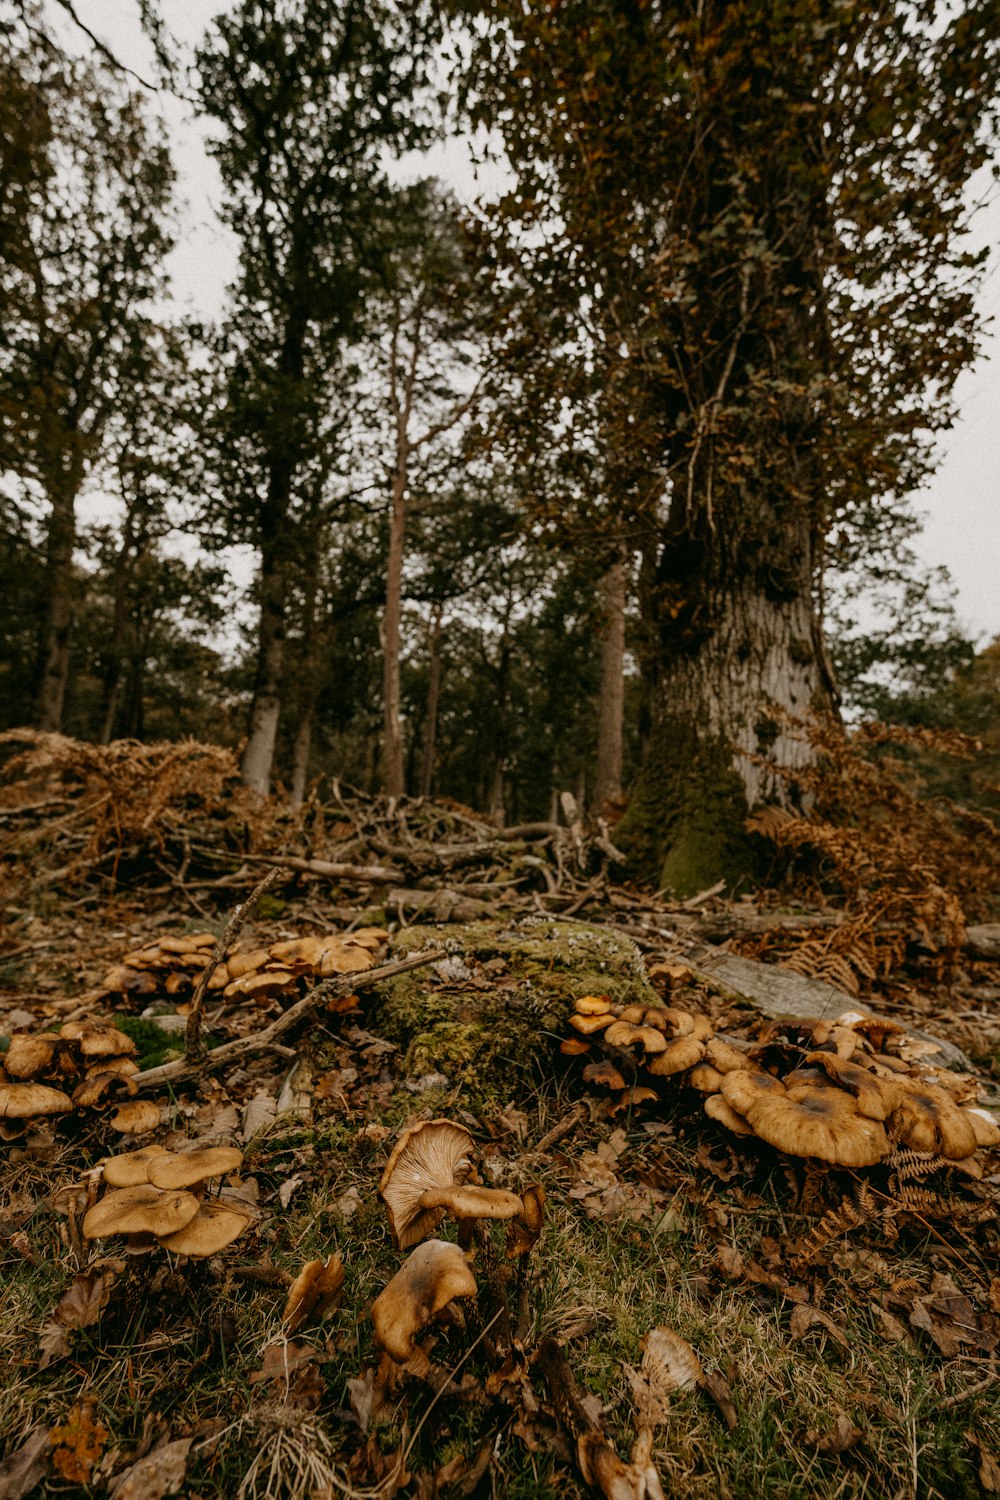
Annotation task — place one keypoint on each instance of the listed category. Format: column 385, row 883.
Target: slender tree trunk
column 300, row 755
column 737, row 660
column 392, row 749
column 433, row 698
column 258, row 756
column 611, row 699
column 59, row 606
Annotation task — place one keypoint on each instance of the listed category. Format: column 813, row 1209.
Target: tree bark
column 433, row 699
column 737, row 662
column 258, row 756
column 611, row 698
column 59, row 606
column 300, row 756
column 392, row 749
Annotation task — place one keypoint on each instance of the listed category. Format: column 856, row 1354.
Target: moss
column 684, row 830
column 488, row 1020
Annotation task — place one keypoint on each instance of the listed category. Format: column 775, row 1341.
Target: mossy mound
column 491, row 1015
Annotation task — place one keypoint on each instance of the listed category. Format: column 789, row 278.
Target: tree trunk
column 300, row 756
column 611, row 700
column 258, row 756
column 392, row 749
column 59, row 607
column 737, row 660
column 433, row 698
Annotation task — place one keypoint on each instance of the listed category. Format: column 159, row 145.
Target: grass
column 178, row 1346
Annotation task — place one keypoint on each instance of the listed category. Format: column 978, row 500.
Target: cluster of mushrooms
column 430, row 1176
column 838, row 1091
column 171, row 967
column 158, row 1197
column 85, row 1065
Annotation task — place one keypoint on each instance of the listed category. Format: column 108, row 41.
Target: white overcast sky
column 962, row 502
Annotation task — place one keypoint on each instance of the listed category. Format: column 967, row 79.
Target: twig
column 328, row 989
column 193, row 1045
column 375, row 874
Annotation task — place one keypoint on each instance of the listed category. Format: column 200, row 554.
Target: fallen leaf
column 805, row 1316
column 841, row 1436
column 947, row 1316
column 715, row 1386
column 53, row 1345
column 668, row 1364
column 989, row 1469
column 258, row 1115
column 82, row 1305
column 159, row 1473
column 348, row 1203
column 730, row 1262
column 288, row 1188
column 78, row 1443
column 23, row 1469
column 315, row 1291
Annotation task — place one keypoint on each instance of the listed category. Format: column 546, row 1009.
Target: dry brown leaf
column 315, row 1291
column 841, row 1436
column 989, row 1469
column 668, row 1364
column 78, row 1443
column 25, row 1468
column 804, row 1316
column 713, row 1384
column 53, row 1345
column 82, row 1305
column 730, row 1262
column 159, row 1473
column 947, row 1316
column 280, row 1361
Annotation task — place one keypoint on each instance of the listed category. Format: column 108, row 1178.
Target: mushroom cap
column 573, row 1046
column 683, row 1052
column 132, row 1167
column 24, row 1101
column 188, row 943
column 307, row 951
column 97, row 1083
column 725, row 1057
column 239, row 964
column 212, row 1228
column 928, row 1119
column 185, row 1168
column 345, row 958
column 877, row 1097
column 139, row 1210
column 104, row 1041
column 744, row 1086
column 125, row 1067
column 434, row 1274
column 471, row 1201
column 593, row 1005
column 431, row 1154
column 633, row 1013
column 30, row 1053
column 716, row 1108
column 603, row 1072
column 705, row 1078
column 818, row 1122
column 622, row 1034
column 137, row 1117
column 984, row 1124
column 261, row 984
column 587, row 1025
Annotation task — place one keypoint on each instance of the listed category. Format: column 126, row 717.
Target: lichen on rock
column 489, row 1017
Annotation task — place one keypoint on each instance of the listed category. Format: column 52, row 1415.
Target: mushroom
column 573, row 1046
column 139, row 1210
column 345, row 960
column 813, row 1121
column 95, row 1040
column 435, row 1274
column 603, row 1072
column 984, row 1124
column 137, row 1117
column 705, row 1078
column 193, row 1168
column 587, row 1025
column 928, row 1119
column 96, row 1084
column 877, row 1097
column 31, row 1053
column 315, row 1291
column 593, row 1005
column 432, row 1154
column 132, row 1167
column 724, row 1056
column 239, row 964
column 680, row 1054
column 717, row 1108
column 211, row 1229
column 26, row 1101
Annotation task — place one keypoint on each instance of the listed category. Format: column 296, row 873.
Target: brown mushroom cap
column 23, row 1101
column 725, row 1057
column 622, row 1034
column 30, row 1053
column 470, row 1201
column 137, row 1117
column 603, row 1072
column 744, row 1086
column 573, row 1046
column 683, row 1052
column 131, row 1168
column 984, row 1124
column 139, row 1210
column 104, row 1041
column 432, row 1154
column 345, row 958
column 186, row 1168
column 928, row 1119
column 435, row 1274
column 239, row 964
column 633, row 1013
column 98, row 1083
column 212, row 1228
column 589, row 1024
column 877, row 1097
column 705, row 1078
column 593, row 1005
column 818, row 1122
column 717, row 1109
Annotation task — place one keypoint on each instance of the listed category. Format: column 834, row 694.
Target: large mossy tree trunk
column 738, row 661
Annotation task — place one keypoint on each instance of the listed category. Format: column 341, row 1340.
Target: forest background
column 482, row 455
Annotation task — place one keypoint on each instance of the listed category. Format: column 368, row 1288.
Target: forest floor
column 871, row 1370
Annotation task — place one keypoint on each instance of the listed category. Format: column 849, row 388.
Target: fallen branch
column 328, row 989
column 365, row 874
